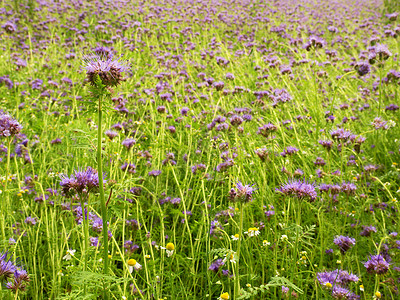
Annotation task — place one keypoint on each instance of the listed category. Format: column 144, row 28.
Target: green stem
column 85, row 224
column 101, row 189
column 237, row 276
column 8, row 174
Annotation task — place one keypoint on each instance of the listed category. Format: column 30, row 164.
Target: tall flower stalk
column 103, row 72
column 82, row 183
column 242, row 194
column 9, row 127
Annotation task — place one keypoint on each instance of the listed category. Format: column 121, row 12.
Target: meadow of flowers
column 199, row 149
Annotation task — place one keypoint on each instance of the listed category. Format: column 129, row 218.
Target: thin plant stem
column 101, row 190
column 237, row 276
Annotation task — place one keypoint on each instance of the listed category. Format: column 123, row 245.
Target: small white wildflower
column 69, row 254
column 253, row 231
column 133, row 264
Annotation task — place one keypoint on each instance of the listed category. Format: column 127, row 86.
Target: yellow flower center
column 378, row 294
column 328, row 285
column 225, row 296
column 132, row 262
column 170, row 246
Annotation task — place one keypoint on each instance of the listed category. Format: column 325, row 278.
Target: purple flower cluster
column 10, row 271
column 108, row 69
column 266, row 129
column 344, row 243
column 81, row 182
column 338, row 281
column 377, row 265
column 299, row 189
column 8, row 125
column 242, row 193
column 367, row 230
column 289, row 151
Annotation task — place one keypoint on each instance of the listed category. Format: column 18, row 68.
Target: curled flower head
column 21, row 278
column 8, row 125
column 377, row 265
column 299, row 189
column 7, row 268
column 336, row 277
column 81, row 182
column 242, row 193
column 344, row 243
column 107, row 68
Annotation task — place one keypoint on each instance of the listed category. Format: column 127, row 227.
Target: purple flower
column 80, row 182
column 299, row 189
column 7, row 81
column 9, row 27
column 344, row 243
column 130, row 167
column 30, row 221
column 348, row 188
column 392, row 16
column 155, row 173
column 289, row 151
column 222, row 167
column 184, row 111
column 262, row 153
column 128, row 143
column 242, row 193
column 8, row 125
column 229, row 76
column 109, row 70
column 326, row 144
column 339, row 292
column 362, row 68
column 392, row 107
column 378, row 123
column 341, row 134
column 219, row 85
column 216, row 265
column 172, row 129
column 236, row 120
column 7, row 268
column 266, row 129
column 56, row 141
column 367, row 230
column 334, row 277
column 94, row 241
column 285, row 290
column 314, row 42
column 377, row 265
column 198, row 167
column 111, row 134
column 21, row 278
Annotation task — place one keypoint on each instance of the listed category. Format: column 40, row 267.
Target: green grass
column 290, row 249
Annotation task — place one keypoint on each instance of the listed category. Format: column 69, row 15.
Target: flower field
column 199, row 149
